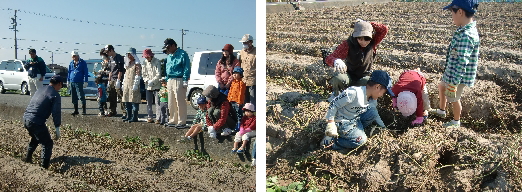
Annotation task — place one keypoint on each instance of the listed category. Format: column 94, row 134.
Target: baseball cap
column 382, row 77
column 407, row 103
column 246, row 37
column 168, row 41
column 250, row 107
column 202, row 100
column 57, row 79
column 468, row 5
column 362, row 29
column 74, row 53
column 108, row 47
column 32, row 51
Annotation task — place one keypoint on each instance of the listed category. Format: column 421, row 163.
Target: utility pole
column 52, row 57
column 14, row 28
column 183, row 34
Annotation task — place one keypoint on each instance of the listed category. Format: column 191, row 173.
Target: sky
column 210, row 25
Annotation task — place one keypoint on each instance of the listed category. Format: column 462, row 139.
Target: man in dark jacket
column 45, row 102
column 78, row 77
column 115, row 78
column 36, row 69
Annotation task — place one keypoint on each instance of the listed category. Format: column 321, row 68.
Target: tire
column 194, row 95
column 2, row 90
column 24, row 89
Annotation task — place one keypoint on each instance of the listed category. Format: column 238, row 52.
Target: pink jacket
column 224, row 74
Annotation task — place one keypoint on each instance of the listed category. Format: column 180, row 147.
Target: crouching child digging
column 353, row 110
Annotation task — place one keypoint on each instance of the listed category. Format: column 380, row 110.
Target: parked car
column 13, row 76
column 202, row 74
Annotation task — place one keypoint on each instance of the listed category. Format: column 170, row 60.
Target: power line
column 117, row 25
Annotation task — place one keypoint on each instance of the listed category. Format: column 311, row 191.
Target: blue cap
column 202, row 100
column 468, row 5
column 238, row 70
column 384, row 79
column 57, row 79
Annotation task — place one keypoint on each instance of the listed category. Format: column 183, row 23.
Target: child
column 247, row 129
column 354, row 109
column 412, row 95
column 102, row 95
column 236, row 95
column 199, row 121
column 461, row 59
column 164, row 99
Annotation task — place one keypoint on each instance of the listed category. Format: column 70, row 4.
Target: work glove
column 340, row 66
column 118, row 84
column 85, row 84
column 57, row 132
column 151, row 83
column 212, row 133
column 185, row 84
column 417, row 121
column 136, row 85
column 331, row 130
column 451, row 91
column 394, row 102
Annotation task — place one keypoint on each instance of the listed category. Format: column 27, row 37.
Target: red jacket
column 225, row 108
column 342, row 50
column 414, row 82
column 248, row 123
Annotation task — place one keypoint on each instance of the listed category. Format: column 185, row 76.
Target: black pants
column 39, row 135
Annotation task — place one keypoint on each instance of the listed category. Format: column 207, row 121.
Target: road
column 14, row 99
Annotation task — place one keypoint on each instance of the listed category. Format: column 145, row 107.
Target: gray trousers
column 152, row 95
column 163, row 116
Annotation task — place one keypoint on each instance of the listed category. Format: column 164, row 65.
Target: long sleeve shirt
column 248, row 123
column 178, row 65
column 37, row 69
column 237, row 92
column 225, row 109
column 46, row 101
column 224, row 73
column 78, row 73
column 342, row 50
column 349, row 105
column 414, row 82
column 462, row 57
column 117, row 65
column 151, row 72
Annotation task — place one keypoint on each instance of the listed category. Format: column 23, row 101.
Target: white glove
column 136, row 85
column 118, row 84
column 212, row 132
column 85, row 84
column 151, row 83
column 340, row 66
column 57, row 132
column 185, row 84
column 331, row 130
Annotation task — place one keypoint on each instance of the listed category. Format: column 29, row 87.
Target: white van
column 13, row 76
column 202, row 74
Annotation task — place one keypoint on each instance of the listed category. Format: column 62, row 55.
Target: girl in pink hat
column 247, row 128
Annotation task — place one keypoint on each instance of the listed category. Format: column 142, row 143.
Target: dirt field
column 484, row 154
column 102, row 159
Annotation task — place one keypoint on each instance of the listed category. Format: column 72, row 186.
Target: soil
column 88, row 159
column 484, row 154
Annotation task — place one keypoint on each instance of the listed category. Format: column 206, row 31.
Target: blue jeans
column 77, row 93
column 351, row 133
column 250, row 95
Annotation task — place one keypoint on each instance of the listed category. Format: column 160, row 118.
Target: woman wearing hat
column 131, row 86
column 151, row 76
column 220, row 117
column 354, row 57
column 224, row 68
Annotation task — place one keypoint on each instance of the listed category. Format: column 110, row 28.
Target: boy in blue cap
column 353, row 110
column 200, row 121
column 461, row 60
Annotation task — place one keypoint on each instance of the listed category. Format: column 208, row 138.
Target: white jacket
column 349, row 104
column 151, row 71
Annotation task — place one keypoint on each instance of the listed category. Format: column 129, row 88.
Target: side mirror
column 21, row 69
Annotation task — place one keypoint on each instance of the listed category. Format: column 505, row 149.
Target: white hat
column 246, row 37
column 407, row 103
column 73, row 53
column 250, row 107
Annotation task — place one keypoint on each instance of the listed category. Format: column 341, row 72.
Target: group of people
column 356, row 88
column 220, row 110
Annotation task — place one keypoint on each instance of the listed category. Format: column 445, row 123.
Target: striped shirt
column 462, row 57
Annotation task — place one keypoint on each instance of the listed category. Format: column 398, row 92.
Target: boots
column 29, row 157
column 75, row 110
column 84, row 108
column 128, row 109
column 136, row 108
column 45, row 163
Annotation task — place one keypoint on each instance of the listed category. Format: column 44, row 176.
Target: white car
column 13, row 76
column 202, row 74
